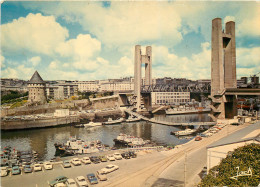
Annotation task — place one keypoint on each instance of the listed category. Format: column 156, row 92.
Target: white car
column 75, row 162
column 47, row 165
column 4, row 171
column 111, row 158
column 71, row 183
column 37, row 167
column 118, row 156
column 109, row 168
column 81, row 181
column 85, row 160
column 61, row 184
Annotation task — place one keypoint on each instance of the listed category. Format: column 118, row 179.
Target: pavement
column 150, row 168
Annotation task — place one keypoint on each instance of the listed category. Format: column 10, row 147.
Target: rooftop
column 36, row 78
column 251, row 132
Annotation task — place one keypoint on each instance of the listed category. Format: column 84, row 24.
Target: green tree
column 244, row 157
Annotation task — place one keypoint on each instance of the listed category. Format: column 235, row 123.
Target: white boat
column 93, row 124
column 110, row 121
column 132, row 119
column 186, row 110
column 184, row 132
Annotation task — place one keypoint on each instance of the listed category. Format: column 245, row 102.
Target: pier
column 166, row 122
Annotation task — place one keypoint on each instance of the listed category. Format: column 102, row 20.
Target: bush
column 244, row 157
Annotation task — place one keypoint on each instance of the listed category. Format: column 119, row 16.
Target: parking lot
column 42, row 178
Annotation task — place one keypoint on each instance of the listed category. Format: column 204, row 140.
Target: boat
column 79, row 126
column 186, row 110
column 132, row 119
column 128, row 140
column 184, row 132
column 110, row 121
column 93, row 124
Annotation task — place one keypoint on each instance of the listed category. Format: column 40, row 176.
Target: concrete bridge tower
column 147, row 60
column 223, row 69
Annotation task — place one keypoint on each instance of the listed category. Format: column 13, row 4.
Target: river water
column 42, row 140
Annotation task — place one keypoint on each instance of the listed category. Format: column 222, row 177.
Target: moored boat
column 93, row 124
column 111, row 121
column 184, row 132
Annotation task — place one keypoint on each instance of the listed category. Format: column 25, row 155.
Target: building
column 170, row 98
column 62, row 91
column 87, row 86
column 117, row 86
column 219, row 150
column 37, row 89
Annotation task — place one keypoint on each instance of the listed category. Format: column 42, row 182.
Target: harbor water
column 42, row 140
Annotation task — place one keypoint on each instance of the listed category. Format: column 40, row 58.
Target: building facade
column 170, row 98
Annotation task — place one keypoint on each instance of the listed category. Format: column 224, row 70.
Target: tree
column 246, row 157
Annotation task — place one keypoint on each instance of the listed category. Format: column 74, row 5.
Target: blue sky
column 88, row 40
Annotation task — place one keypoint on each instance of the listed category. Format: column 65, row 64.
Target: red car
column 198, row 138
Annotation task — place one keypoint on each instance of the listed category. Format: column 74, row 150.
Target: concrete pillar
column 217, row 68
column 148, row 66
column 230, row 59
column 138, row 76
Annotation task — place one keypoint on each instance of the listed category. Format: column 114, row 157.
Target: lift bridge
column 173, row 88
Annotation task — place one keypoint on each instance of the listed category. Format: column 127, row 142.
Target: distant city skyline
column 89, row 40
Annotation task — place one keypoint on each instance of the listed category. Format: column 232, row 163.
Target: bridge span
column 165, row 122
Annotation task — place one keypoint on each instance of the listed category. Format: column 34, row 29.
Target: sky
column 94, row 40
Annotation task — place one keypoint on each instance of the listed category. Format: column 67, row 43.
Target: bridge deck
column 167, row 123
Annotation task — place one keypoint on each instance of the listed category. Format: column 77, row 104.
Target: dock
column 165, row 122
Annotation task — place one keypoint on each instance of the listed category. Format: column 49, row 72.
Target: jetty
column 129, row 111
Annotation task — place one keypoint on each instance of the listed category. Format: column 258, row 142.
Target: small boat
column 110, row 121
column 184, row 132
column 132, row 119
column 79, row 126
column 93, row 124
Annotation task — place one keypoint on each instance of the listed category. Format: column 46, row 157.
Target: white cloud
column 35, row 60
column 2, row 61
column 35, row 33
column 250, row 25
column 54, row 65
column 18, row 72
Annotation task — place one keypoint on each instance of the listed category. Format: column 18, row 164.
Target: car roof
column 81, row 177
column 110, row 165
column 61, row 177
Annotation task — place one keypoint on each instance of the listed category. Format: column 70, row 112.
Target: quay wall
column 38, row 123
column 55, row 121
column 98, row 103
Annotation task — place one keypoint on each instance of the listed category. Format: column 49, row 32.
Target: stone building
column 37, row 89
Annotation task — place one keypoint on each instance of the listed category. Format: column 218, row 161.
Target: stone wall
column 38, row 123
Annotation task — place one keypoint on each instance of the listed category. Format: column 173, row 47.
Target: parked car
column 16, row 170
column 94, row 159
column 101, row 177
column 60, row 179
column 126, row 155
column 81, row 181
column 66, row 164
column 4, row 171
column 111, row 158
column 75, row 162
column 109, row 168
column 47, row 165
column 86, row 160
column 61, row 184
column 27, row 168
column 117, row 156
column 71, row 183
column 103, row 158
column 198, row 138
column 92, row 178
column 132, row 154
column 37, row 167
